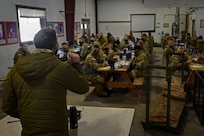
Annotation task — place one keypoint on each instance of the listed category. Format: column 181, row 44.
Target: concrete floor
column 122, row 98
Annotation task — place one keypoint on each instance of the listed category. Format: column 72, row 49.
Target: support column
column 69, row 18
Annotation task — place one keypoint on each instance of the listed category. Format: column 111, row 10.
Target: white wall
column 173, row 3
column 80, row 13
column 8, row 13
column 199, row 16
column 120, row 10
column 108, row 10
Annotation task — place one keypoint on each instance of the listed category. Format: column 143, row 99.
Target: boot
column 100, row 92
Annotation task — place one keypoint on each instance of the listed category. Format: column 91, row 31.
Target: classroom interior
column 117, row 17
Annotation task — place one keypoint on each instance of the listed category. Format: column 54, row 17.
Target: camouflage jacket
column 93, row 62
column 200, row 47
column 84, row 51
column 20, row 53
column 175, row 61
column 139, row 62
column 169, row 49
column 103, row 40
column 110, row 39
column 164, row 42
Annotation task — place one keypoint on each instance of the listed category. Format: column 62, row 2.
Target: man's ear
column 55, row 47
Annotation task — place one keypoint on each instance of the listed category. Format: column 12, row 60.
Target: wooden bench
column 3, row 78
column 138, row 82
column 174, row 86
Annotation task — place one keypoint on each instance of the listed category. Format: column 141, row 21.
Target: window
column 30, row 20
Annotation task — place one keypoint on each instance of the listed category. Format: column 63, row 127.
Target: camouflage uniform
column 175, row 62
column 138, row 66
column 125, row 43
column 116, row 47
column 200, row 47
column 84, row 51
column 188, row 41
column 92, row 63
column 20, row 53
column 103, row 40
column 149, row 42
column 194, row 43
column 110, row 38
column 168, row 49
column 145, row 50
column 132, row 38
column 164, row 42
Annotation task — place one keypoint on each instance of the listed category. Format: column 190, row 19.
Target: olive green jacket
column 140, row 62
column 169, row 49
column 35, row 93
column 93, row 62
column 175, row 61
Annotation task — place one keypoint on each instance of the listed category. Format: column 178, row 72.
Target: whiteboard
column 142, row 22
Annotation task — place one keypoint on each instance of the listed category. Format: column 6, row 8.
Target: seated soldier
column 84, row 48
column 105, row 48
column 93, row 61
column 138, row 66
column 200, row 44
column 22, row 51
column 148, row 42
column 170, row 48
column 144, row 49
column 176, row 61
column 126, row 42
column 164, row 40
column 62, row 52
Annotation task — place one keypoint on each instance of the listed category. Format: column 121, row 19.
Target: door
column 85, row 26
column 193, row 27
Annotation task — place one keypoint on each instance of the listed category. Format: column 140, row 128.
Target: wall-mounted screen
column 142, row 22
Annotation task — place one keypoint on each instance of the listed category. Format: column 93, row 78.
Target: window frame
column 18, row 24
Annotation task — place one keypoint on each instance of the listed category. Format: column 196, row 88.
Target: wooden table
column 125, row 82
column 193, row 67
column 189, row 83
column 95, row 121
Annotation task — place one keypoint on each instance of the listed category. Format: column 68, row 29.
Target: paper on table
column 105, row 68
column 196, row 65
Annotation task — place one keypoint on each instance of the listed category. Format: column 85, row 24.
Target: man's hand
column 73, row 57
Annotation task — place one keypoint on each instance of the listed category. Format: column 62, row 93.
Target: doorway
column 193, row 27
column 85, row 26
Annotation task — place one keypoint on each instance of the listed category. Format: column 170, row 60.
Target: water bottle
column 124, row 51
column 73, row 117
column 120, row 55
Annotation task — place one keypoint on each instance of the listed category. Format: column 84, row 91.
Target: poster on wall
column 61, row 29
column 202, row 23
column 77, row 28
column 11, row 29
column 57, row 26
column 2, row 33
column 49, row 25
